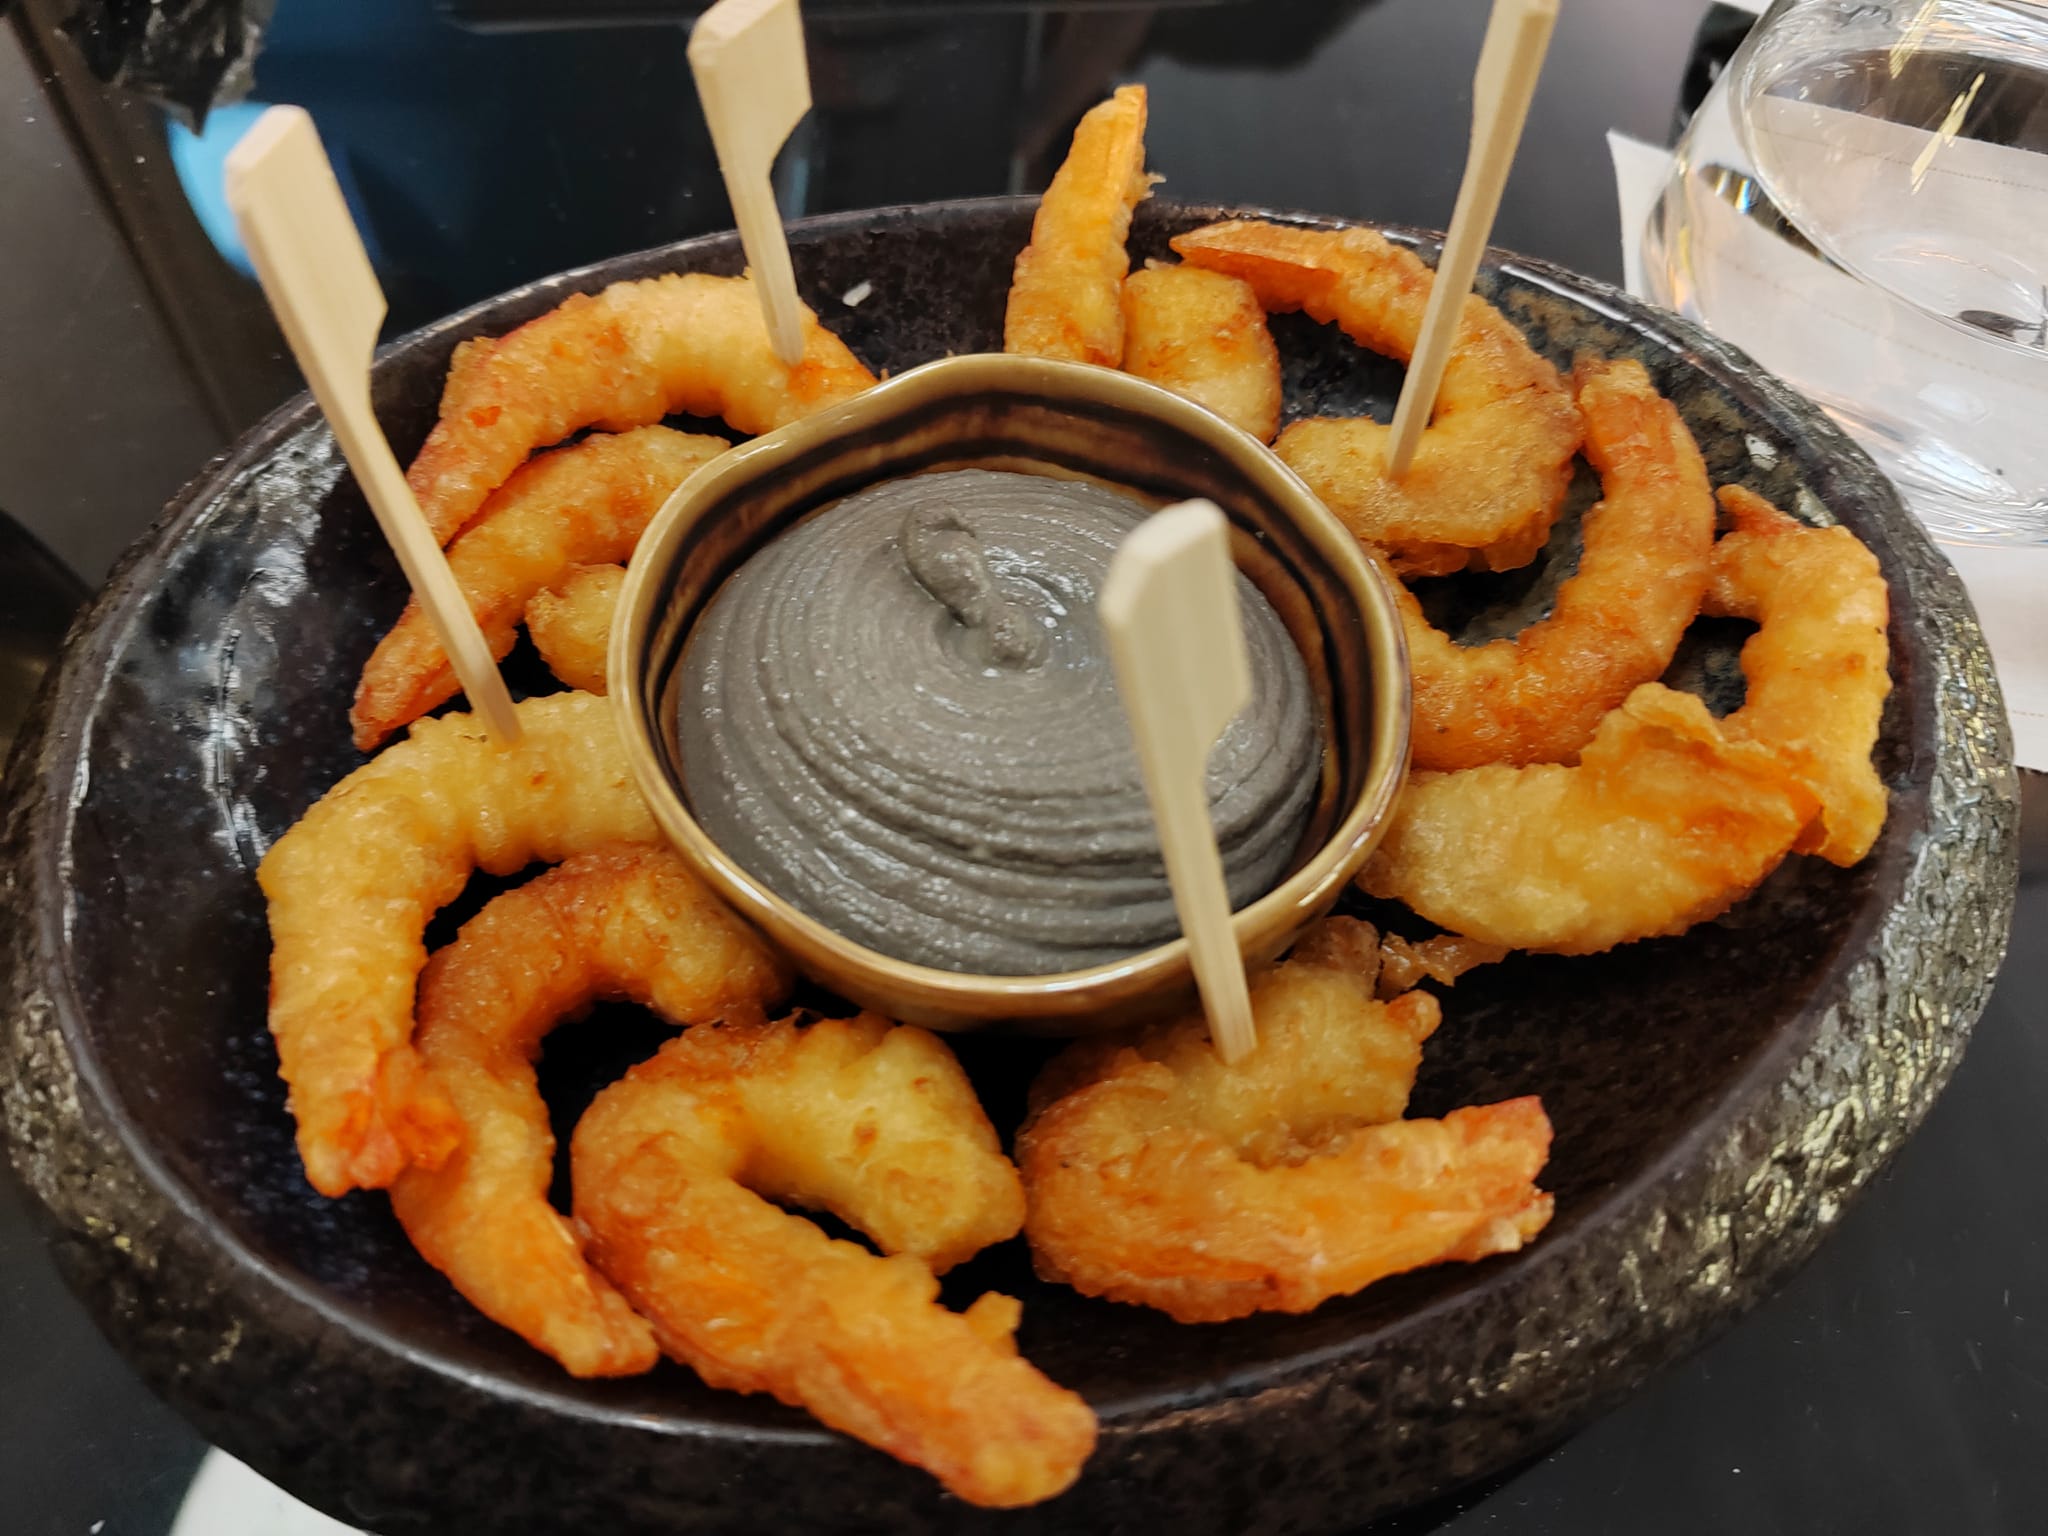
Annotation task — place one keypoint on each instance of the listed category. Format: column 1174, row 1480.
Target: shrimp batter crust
column 675, row 1166
column 1539, row 696
column 629, row 923
column 1817, row 665
column 570, row 624
column 1203, row 335
column 352, row 886
column 1666, row 820
column 1066, row 297
column 584, row 504
column 1157, row 1175
column 1491, row 468
column 682, row 343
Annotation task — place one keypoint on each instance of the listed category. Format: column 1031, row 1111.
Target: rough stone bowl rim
column 108, row 620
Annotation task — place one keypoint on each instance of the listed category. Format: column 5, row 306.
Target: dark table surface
column 1899, row 1384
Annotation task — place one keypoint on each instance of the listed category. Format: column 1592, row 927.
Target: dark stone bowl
column 1717, row 1097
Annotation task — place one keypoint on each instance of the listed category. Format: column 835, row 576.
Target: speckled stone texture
column 1718, row 1097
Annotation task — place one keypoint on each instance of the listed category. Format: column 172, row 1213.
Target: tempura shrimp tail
column 1203, row 334
column 1443, row 959
column 1818, row 665
column 351, row 888
column 1616, row 622
column 1486, row 481
column 675, row 1166
column 1157, row 1176
column 585, row 504
column 681, row 343
column 1066, row 298
column 630, row 922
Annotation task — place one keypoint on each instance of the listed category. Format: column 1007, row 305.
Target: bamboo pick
column 1176, row 639
column 1509, row 61
column 318, row 280
column 748, row 57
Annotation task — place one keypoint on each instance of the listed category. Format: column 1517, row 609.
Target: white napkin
column 226, row 1498
column 2008, row 583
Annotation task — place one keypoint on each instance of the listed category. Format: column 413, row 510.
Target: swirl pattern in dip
column 900, row 717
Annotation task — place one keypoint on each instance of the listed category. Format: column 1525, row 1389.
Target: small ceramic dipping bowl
column 1060, row 420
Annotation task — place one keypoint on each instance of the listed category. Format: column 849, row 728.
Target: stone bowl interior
column 1716, row 1097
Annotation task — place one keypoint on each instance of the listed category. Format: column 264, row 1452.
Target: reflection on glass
column 1860, row 202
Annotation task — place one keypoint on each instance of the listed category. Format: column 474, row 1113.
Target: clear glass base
column 1955, row 495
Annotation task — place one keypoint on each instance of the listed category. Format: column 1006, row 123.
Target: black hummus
column 901, row 718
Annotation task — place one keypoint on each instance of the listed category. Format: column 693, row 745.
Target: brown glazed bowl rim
column 1101, row 995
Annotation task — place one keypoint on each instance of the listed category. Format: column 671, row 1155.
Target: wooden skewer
column 1176, row 639
column 748, row 57
column 317, row 278
column 1509, row 61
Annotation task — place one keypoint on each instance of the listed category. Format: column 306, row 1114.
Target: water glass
column 1861, row 203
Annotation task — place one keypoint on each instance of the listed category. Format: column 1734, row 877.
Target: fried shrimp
column 621, row 923
column 1157, row 1175
column 1665, row 821
column 1817, row 665
column 352, row 885
column 579, row 505
column 674, row 1169
column 1485, row 483
column 1203, row 335
column 683, row 342
column 571, row 625
column 1066, row 299
column 1539, row 696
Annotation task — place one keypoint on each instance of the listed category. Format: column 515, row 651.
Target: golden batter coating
column 1539, row 697
column 1157, row 1175
column 630, row 923
column 1203, row 335
column 683, row 343
column 675, row 1169
column 352, row 886
column 1066, row 299
column 570, row 624
column 1492, row 467
column 580, row 505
